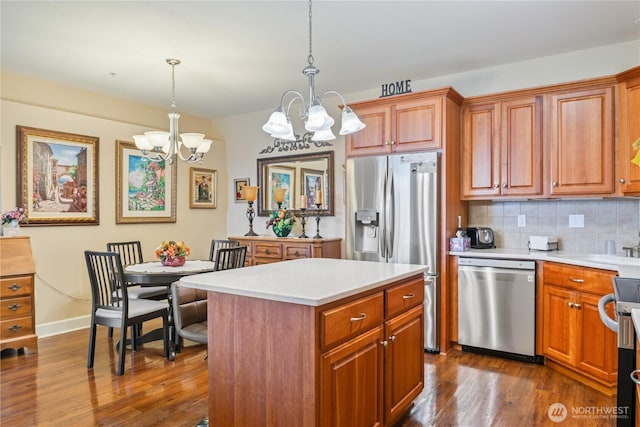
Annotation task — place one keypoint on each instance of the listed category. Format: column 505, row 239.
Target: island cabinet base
column 358, row 361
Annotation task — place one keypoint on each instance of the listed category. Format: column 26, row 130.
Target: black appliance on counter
column 626, row 295
column 481, row 237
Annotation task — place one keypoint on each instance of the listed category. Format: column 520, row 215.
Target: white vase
column 11, row 229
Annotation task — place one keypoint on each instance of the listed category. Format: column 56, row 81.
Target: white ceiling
column 239, row 56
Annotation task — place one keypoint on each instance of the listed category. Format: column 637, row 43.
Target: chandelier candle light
column 159, row 145
column 249, row 194
column 314, row 115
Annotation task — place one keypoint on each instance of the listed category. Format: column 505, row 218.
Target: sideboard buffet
column 266, row 249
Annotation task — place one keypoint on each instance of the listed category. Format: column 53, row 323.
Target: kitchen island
column 314, row 342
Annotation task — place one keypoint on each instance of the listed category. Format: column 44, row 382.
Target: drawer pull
column 267, row 252
column 411, row 295
column 358, row 319
column 15, row 328
column 634, row 376
column 571, row 279
column 15, row 286
column 570, row 304
column 14, row 307
column 297, row 253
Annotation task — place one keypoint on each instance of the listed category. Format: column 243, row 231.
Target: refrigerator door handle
column 389, row 214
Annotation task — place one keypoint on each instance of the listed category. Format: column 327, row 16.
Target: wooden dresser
column 17, row 306
column 265, row 249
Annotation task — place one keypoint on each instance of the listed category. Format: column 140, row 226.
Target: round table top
column 154, row 273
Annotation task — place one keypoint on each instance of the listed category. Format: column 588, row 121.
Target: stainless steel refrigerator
column 393, row 207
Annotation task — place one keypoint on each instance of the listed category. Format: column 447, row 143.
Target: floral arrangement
column 172, row 249
column 280, row 220
column 18, row 214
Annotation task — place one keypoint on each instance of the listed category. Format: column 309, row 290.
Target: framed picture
column 57, row 177
column 279, row 177
column 202, row 188
column 145, row 189
column 312, row 181
column 238, row 185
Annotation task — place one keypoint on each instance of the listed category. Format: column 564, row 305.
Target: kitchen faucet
column 628, row 250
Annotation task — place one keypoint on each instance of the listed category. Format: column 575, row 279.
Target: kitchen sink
column 604, row 259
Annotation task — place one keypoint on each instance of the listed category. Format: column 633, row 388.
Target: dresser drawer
column 267, row 250
column 351, row 319
column 15, row 307
column 295, row 251
column 404, row 296
column 16, row 286
column 15, row 328
column 579, row 278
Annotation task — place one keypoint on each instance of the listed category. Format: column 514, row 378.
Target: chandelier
column 167, row 146
column 315, row 117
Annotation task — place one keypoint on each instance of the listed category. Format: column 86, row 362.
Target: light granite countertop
column 308, row 281
column 626, row 267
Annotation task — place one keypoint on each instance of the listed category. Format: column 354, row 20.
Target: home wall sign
column 397, row 88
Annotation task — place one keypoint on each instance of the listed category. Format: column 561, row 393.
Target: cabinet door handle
column 571, row 279
column 411, row 295
column 15, row 328
column 384, row 343
column 634, row 376
column 496, row 185
column 14, row 307
column 360, row 318
column 570, row 304
column 578, row 306
column 15, row 287
column 392, row 338
column 622, row 181
column 386, row 143
column 393, row 142
column 554, row 184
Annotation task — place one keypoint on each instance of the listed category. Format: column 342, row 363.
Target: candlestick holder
column 279, row 205
column 303, row 221
column 318, row 236
column 250, row 216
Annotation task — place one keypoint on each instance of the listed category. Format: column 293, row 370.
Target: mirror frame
column 263, row 163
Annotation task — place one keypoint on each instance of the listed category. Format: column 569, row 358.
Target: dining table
column 156, row 274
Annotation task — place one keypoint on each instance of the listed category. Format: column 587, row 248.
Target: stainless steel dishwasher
column 496, row 307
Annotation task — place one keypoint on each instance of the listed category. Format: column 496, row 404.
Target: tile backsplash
column 617, row 220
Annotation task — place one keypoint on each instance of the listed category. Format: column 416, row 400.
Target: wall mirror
column 308, row 175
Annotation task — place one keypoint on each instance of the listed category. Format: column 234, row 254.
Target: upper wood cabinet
column 405, row 123
column 502, row 148
column 581, row 142
column 629, row 132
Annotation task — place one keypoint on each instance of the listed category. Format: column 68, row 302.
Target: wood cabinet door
column 521, row 147
column 596, row 344
column 558, row 324
column 629, row 173
column 404, row 362
column 582, row 142
column 417, row 125
column 351, row 382
column 481, row 151
column 375, row 137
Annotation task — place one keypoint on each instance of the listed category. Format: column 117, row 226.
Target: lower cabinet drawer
column 15, row 328
column 15, row 307
column 266, row 250
column 580, row 278
column 297, row 251
column 402, row 297
column 350, row 319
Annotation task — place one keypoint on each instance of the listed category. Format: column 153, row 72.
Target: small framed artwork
column 57, row 177
column 238, row 185
column 145, row 189
column 312, row 181
column 279, row 177
column 202, row 188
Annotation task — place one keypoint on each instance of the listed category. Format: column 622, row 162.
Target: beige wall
column 62, row 290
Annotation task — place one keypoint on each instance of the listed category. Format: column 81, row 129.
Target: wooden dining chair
column 131, row 253
column 219, row 244
column 111, row 306
column 228, row 258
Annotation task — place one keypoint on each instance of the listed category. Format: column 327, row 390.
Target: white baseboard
column 62, row 326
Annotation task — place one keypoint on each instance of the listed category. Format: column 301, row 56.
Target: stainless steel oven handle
column 634, row 376
column 602, row 311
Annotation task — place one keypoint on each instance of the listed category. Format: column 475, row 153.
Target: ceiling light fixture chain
column 167, row 146
column 315, row 117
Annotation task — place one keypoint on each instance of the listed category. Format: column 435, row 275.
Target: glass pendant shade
column 350, row 122
column 192, row 140
column 204, row 147
column 142, row 142
column 277, row 123
column 323, row 135
column 157, row 139
column 288, row 134
column 318, row 119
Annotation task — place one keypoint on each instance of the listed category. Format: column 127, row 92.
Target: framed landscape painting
column 279, row 177
column 145, row 189
column 57, row 177
column 202, row 188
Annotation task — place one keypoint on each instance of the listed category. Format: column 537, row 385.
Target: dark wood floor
column 54, row 388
